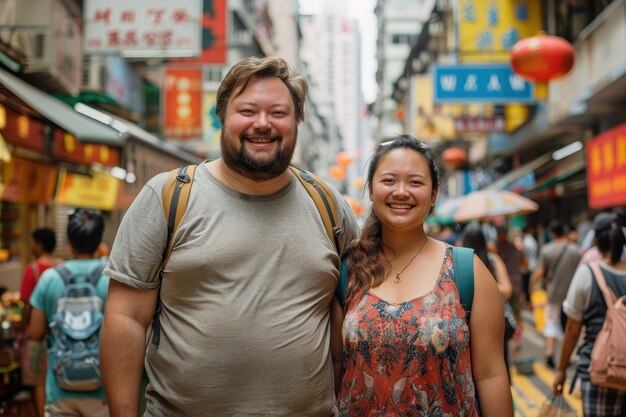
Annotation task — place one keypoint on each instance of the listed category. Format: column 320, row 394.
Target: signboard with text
column 495, row 83
column 137, row 28
column 606, row 168
column 98, row 191
column 182, row 102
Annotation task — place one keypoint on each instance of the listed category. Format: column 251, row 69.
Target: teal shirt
column 47, row 292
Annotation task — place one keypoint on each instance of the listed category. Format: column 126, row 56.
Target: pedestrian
column 84, row 232
column 514, row 260
column 585, row 306
column 557, row 263
column 531, row 253
column 245, row 297
column 33, row 357
column 408, row 347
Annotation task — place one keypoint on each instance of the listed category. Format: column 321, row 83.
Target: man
column 557, row 263
column 244, row 299
column 33, row 356
column 84, row 232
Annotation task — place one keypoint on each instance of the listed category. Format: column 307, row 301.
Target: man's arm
column 38, row 326
column 122, row 345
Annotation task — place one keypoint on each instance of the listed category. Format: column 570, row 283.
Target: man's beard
column 244, row 163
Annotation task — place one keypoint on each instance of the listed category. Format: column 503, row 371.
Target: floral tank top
column 411, row 358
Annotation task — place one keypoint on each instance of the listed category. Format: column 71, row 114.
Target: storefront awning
column 83, row 128
column 514, row 177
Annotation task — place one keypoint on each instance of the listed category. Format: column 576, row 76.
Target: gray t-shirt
column 558, row 273
column 245, row 300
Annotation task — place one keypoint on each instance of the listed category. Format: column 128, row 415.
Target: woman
column 585, row 306
column 408, row 348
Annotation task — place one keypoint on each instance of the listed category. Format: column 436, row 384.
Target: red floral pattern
column 408, row 359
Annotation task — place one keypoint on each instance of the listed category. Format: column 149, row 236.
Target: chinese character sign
column 213, row 33
column 488, row 29
column 182, row 103
column 606, row 169
column 159, row 28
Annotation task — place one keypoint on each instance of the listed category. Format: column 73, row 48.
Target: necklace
column 397, row 278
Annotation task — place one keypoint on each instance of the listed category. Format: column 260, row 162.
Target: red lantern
column 337, row 172
column 542, row 58
column 454, row 158
column 343, row 159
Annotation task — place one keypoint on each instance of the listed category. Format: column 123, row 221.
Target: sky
column 363, row 11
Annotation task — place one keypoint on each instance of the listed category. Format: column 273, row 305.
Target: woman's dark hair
column 609, row 235
column 473, row 237
column 367, row 268
column 46, row 238
column 84, row 230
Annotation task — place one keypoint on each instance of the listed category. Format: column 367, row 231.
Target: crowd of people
column 245, row 318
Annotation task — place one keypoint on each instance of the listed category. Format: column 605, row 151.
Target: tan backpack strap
column 175, row 197
column 609, row 297
column 324, row 201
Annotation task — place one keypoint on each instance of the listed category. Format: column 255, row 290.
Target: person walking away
column 52, row 314
column 33, row 357
column 531, row 253
column 244, row 301
column 514, row 260
column 557, row 263
column 585, row 307
column 408, row 347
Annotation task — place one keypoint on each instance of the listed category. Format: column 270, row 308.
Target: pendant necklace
column 397, row 278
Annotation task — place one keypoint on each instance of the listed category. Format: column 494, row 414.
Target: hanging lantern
column 542, row 58
column 454, row 158
column 337, row 172
column 343, row 159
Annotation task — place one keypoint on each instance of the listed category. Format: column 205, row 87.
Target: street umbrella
column 493, row 203
column 444, row 211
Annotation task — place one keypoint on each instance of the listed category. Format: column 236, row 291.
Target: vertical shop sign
column 606, row 169
column 182, row 103
column 213, row 35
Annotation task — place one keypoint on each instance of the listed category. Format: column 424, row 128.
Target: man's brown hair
column 242, row 72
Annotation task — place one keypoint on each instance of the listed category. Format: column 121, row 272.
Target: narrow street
column 532, row 383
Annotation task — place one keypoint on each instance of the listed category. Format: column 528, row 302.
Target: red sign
column 182, row 103
column 213, row 34
column 606, row 168
column 467, row 124
column 68, row 148
column 28, row 182
column 21, row 130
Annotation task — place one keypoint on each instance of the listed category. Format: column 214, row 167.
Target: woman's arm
column 487, row 341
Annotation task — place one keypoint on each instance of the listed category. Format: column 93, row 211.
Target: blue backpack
column 76, row 331
column 463, row 266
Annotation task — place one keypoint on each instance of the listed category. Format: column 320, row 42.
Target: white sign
column 143, row 28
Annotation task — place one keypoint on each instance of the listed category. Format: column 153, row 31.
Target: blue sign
column 496, row 84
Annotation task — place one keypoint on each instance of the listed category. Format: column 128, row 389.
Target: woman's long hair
column 609, row 236
column 367, row 267
column 473, row 237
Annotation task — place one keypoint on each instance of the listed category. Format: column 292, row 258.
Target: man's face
column 259, row 133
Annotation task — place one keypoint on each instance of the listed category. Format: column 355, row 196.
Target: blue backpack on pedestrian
column 76, row 331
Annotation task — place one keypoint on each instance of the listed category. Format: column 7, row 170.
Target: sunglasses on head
column 420, row 145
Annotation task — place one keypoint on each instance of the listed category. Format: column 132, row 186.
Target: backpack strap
column 463, row 264
column 609, row 297
column 65, row 273
column 344, row 274
column 96, row 273
column 175, row 197
column 324, row 201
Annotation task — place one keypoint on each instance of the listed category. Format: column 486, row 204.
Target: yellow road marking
column 547, row 376
column 533, row 395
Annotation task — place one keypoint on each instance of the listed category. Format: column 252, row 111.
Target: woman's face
column 401, row 190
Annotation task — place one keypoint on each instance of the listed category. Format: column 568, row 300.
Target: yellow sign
column 98, row 191
column 488, row 29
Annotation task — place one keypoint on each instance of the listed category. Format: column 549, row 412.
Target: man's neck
column 246, row 185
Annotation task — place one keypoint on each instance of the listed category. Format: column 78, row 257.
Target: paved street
column 531, row 389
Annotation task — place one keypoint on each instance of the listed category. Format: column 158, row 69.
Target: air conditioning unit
column 93, row 74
